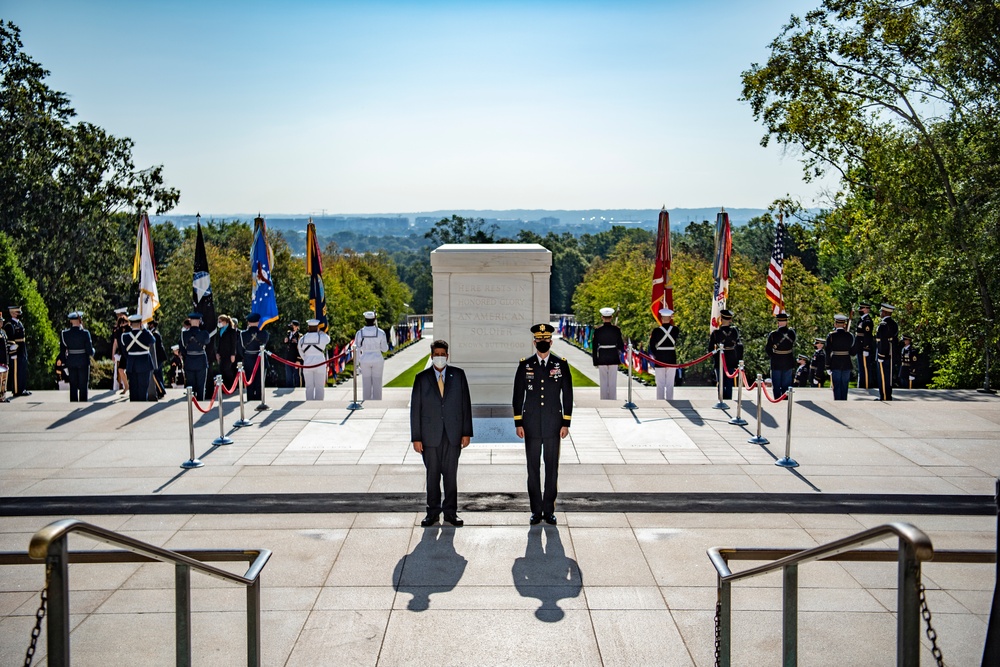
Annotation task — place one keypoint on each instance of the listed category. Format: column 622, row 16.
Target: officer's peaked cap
column 194, row 316
column 369, row 314
column 135, row 318
column 726, row 314
column 542, row 331
column 840, row 317
column 886, row 306
column 75, row 315
column 803, row 357
column 819, row 340
column 782, row 316
column 253, row 318
column 666, row 312
column 607, row 312
column 312, row 323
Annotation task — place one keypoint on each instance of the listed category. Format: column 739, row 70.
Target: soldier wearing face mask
column 225, row 349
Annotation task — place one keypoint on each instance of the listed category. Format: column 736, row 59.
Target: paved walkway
column 612, row 588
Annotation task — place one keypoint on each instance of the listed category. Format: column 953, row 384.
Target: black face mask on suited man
column 543, row 346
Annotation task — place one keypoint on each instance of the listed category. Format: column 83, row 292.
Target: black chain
column 718, row 641
column 39, row 615
column 925, row 612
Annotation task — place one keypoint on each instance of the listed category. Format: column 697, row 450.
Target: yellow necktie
column 441, row 384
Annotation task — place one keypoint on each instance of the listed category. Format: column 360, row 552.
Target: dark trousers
column 781, row 380
column 160, row 387
column 79, row 378
column 727, row 385
column 534, row 449
column 841, row 380
column 228, row 371
column 253, row 389
column 866, row 371
column 293, row 376
column 885, row 379
column 138, row 385
column 441, row 463
column 196, row 380
column 17, row 378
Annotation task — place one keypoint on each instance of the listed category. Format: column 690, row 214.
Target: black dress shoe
column 550, row 519
column 454, row 520
column 535, row 519
column 429, row 520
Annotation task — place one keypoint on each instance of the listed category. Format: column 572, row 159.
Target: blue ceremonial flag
column 264, row 301
column 314, row 267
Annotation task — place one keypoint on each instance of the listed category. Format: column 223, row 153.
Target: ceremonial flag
column 720, row 268
column 774, row 271
column 201, row 292
column 314, row 267
column 144, row 268
column 264, row 301
column 663, row 286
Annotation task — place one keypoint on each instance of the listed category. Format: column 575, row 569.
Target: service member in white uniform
column 369, row 344
column 663, row 347
column 312, row 349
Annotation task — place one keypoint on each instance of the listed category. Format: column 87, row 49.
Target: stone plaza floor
column 365, row 586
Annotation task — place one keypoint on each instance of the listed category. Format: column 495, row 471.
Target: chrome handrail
column 51, row 543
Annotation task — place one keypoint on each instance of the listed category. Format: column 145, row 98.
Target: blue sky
column 368, row 107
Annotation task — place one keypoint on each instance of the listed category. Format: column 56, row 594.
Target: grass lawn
column 581, row 380
column 405, row 379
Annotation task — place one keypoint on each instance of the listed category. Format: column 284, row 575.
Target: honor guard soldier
column 4, row 361
column 249, row 344
column 369, row 344
column 75, row 350
column 312, row 350
column 293, row 376
column 840, row 345
column 194, row 347
column 121, row 326
column 543, row 408
column 606, row 348
column 779, row 348
column 159, row 358
column 802, row 373
column 886, row 349
column 909, row 360
column 17, row 346
column 225, row 349
column 663, row 347
column 136, row 345
column 817, row 367
column 176, row 367
column 732, row 350
column 864, row 333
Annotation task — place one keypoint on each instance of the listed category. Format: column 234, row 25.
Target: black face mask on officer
column 543, row 346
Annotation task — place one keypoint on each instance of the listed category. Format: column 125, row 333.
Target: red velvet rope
column 748, row 387
column 253, row 374
column 726, row 370
column 215, row 394
column 774, row 400
column 295, row 365
column 660, row 363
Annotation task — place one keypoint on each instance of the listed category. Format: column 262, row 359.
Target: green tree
column 462, row 230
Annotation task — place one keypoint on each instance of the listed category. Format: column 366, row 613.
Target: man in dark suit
column 440, row 427
column 541, row 421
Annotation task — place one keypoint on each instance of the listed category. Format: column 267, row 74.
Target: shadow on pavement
column 689, row 412
column 433, row 567
column 547, row 574
column 809, row 405
column 153, row 409
column 90, row 409
column 750, row 414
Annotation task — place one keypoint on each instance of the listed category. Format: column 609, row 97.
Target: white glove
column 865, row 353
column 912, row 378
column 12, row 347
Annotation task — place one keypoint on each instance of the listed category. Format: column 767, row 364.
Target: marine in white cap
column 369, row 344
column 663, row 348
column 312, row 349
column 606, row 348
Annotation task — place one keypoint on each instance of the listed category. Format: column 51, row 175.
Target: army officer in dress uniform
column 75, row 350
column 779, row 348
column 732, row 350
column 543, row 407
column 663, row 348
column 606, row 349
column 249, row 344
column 865, row 344
column 817, row 367
column 194, row 347
column 909, row 359
column 4, row 361
column 840, row 345
column 17, row 345
column 136, row 347
column 886, row 349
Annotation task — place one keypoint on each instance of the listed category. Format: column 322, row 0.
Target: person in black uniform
column 121, row 326
column 293, row 376
column 803, row 372
column 136, row 347
column 440, row 428
column 779, row 348
column 75, row 350
column 909, row 365
column 194, row 346
column 226, row 349
column 817, row 367
column 542, row 420
column 886, row 349
column 17, row 345
column 864, row 335
column 606, row 349
column 176, row 367
column 840, row 345
column 732, row 349
column 159, row 358
column 663, row 348
column 4, row 361
column 249, row 344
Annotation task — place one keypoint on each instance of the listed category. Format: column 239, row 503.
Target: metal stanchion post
column 191, row 462
column 239, row 382
column 222, row 439
column 738, row 419
column 721, row 405
column 759, row 439
column 263, row 374
column 629, row 405
column 354, row 405
column 787, row 461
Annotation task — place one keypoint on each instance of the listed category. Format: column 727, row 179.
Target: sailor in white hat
column 606, row 349
column 663, row 347
column 369, row 344
column 312, row 349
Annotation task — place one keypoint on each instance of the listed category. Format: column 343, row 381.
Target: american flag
column 773, row 290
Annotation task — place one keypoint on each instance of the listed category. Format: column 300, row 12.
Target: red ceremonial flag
column 774, row 271
column 663, row 286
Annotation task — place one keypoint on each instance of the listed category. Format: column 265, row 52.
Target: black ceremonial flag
column 202, row 292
